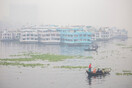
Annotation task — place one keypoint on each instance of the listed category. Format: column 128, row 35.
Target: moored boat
column 90, row 49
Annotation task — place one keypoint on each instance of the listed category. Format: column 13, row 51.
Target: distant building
column 75, row 36
column 49, row 36
column 28, row 35
column 54, row 34
column 103, row 33
column 6, row 35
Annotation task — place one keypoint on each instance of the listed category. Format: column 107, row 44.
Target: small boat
column 97, row 73
column 91, row 49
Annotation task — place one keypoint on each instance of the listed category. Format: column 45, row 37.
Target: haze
column 102, row 13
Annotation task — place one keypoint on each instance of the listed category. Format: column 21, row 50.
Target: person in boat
column 89, row 67
column 103, row 71
column 98, row 70
column 94, row 71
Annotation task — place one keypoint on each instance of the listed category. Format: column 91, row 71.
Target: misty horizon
column 113, row 13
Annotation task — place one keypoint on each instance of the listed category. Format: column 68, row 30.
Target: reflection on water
column 16, row 48
column 111, row 54
column 96, row 79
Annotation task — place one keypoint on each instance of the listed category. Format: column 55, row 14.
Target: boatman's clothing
column 89, row 67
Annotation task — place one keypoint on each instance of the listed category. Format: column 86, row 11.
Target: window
column 43, row 35
column 89, row 39
column 84, row 39
column 47, row 34
column 47, row 39
column 52, row 34
column 75, row 39
column 57, row 34
column 90, row 35
column 75, row 35
column 84, row 35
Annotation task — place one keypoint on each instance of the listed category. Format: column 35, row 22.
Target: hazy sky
column 88, row 12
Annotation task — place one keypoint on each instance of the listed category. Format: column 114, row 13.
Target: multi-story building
column 75, row 36
column 28, row 35
column 103, row 33
column 49, row 36
column 54, row 34
column 16, row 35
column 7, row 35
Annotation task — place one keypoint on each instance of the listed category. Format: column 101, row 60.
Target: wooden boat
column 91, row 49
column 97, row 73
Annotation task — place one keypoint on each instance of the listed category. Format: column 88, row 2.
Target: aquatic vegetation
column 128, row 47
column 17, row 59
column 120, row 44
column 103, row 52
column 21, row 64
column 70, row 67
column 125, row 72
column 118, row 73
column 90, row 57
column 83, row 57
column 50, row 57
column 39, row 56
column 16, row 55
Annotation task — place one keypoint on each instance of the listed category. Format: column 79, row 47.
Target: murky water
column 110, row 55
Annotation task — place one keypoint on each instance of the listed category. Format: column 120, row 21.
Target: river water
column 114, row 54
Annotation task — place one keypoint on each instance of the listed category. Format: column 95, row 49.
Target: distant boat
column 90, row 49
column 93, row 48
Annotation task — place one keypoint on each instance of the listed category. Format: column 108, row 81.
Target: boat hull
column 96, row 74
column 90, row 49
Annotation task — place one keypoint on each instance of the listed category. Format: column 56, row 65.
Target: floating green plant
column 90, row 57
column 18, row 59
column 118, row 73
column 21, row 64
column 125, row 72
column 33, row 57
column 38, row 56
column 16, row 55
column 129, row 47
column 70, row 67
column 50, row 57
column 120, row 44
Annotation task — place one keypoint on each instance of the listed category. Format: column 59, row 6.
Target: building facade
column 6, row 35
column 75, row 36
column 28, row 35
column 49, row 36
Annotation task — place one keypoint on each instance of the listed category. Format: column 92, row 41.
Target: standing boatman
column 90, row 67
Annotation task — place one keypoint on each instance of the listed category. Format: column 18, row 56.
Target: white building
column 49, row 36
column 7, row 35
column 28, row 35
column 103, row 33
